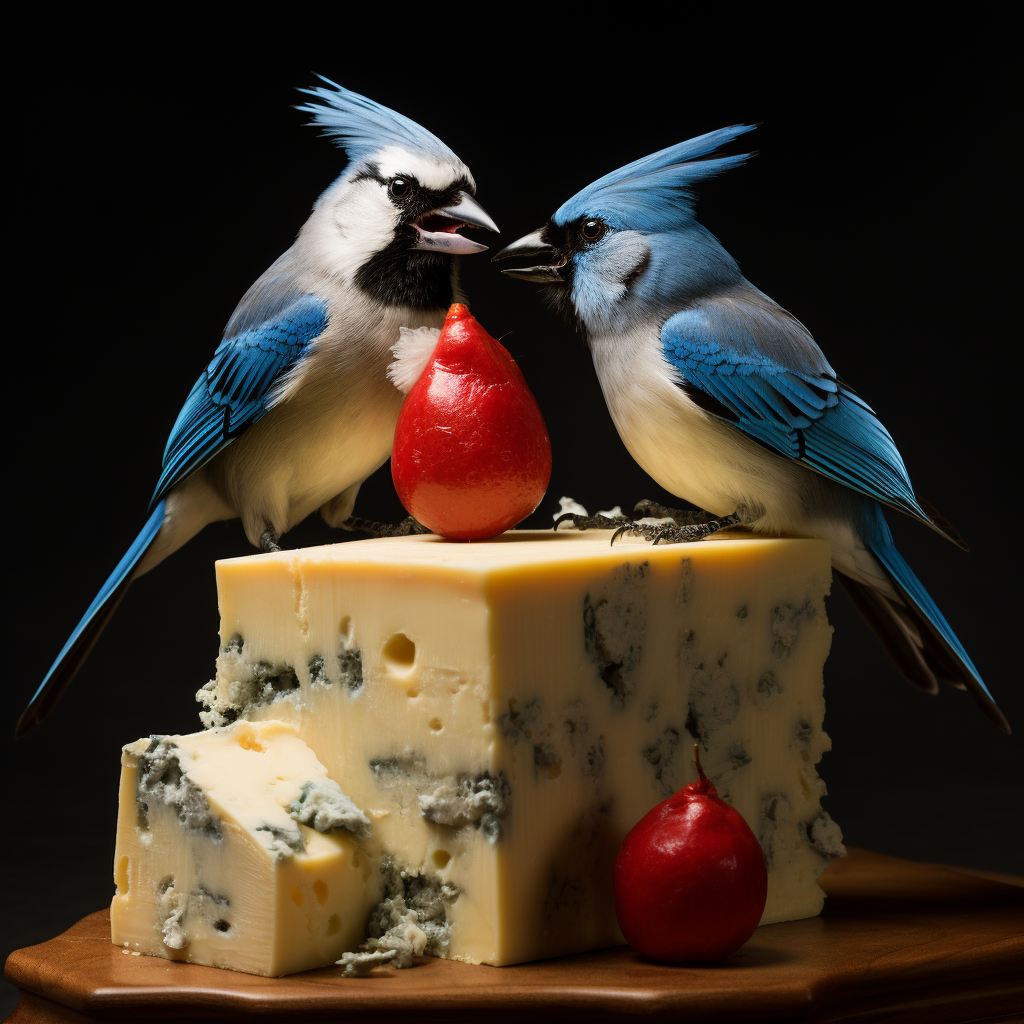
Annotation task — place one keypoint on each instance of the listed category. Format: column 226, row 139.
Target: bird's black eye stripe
column 591, row 230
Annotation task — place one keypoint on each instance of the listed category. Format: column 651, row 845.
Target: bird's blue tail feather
column 952, row 659
column 72, row 654
column 913, row 589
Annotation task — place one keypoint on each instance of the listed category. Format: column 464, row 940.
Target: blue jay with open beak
column 724, row 398
column 295, row 410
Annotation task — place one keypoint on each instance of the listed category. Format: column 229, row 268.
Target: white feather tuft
column 412, row 353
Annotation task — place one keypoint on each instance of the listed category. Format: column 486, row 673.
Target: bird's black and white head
column 390, row 224
column 628, row 246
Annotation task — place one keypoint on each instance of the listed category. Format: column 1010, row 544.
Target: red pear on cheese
column 471, row 456
column 690, row 878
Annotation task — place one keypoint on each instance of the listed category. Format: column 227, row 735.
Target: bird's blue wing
column 767, row 378
column 237, row 388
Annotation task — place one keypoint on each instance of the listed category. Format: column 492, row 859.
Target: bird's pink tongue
column 435, row 222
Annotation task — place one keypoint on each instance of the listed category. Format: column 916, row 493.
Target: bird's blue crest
column 361, row 126
column 655, row 192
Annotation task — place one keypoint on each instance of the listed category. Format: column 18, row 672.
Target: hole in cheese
column 297, row 897
column 345, row 628
column 399, row 653
column 333, row 924
column 121, row 875
column 320, row 891
column 435, row 724
column 441, row 857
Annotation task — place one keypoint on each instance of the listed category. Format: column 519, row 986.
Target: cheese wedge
column 505, row 711
column 235, row 849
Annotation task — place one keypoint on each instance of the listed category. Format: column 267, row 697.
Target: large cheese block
column 235, row 849
column 505, row 711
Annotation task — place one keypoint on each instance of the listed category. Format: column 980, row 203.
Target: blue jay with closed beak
column 724, row 398
column 295, row 410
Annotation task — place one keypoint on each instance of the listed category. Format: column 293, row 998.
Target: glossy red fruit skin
column 690, row 879
column 471, row 456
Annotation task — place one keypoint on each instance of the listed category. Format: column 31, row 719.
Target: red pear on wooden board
column 690, row 878
column 471, row 456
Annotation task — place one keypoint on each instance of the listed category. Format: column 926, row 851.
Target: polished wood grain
column 898, row 941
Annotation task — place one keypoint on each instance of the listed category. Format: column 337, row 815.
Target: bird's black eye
column 399, row 188
column 591, row 230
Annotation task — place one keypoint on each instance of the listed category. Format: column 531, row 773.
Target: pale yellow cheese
column 505, row 711
column 212, row 868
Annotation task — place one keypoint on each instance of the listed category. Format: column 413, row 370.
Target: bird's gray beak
column 438, row 228
column 533, row 245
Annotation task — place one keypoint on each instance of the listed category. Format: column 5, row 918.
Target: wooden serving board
column 898, row 941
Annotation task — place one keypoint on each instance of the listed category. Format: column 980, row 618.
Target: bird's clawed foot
column 406, row 528
column 598, row 522
column 676, row 526
column 268, row 540
column 653, row 522
column 647, row 509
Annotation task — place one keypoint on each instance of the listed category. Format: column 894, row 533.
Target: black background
column 162, row 174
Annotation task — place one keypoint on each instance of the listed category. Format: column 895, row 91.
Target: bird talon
column 268, row 541
column 672, row 532
column 406, row 528
column 647, row 509
column 566, row 517
column 410, row 527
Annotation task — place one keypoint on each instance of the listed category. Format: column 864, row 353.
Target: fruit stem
column 696, row 758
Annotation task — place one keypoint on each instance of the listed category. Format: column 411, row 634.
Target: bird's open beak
column 533, row 245
column 438, row 229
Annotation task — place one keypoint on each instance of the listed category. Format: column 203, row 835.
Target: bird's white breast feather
column 689, row 453
column 332, row 426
